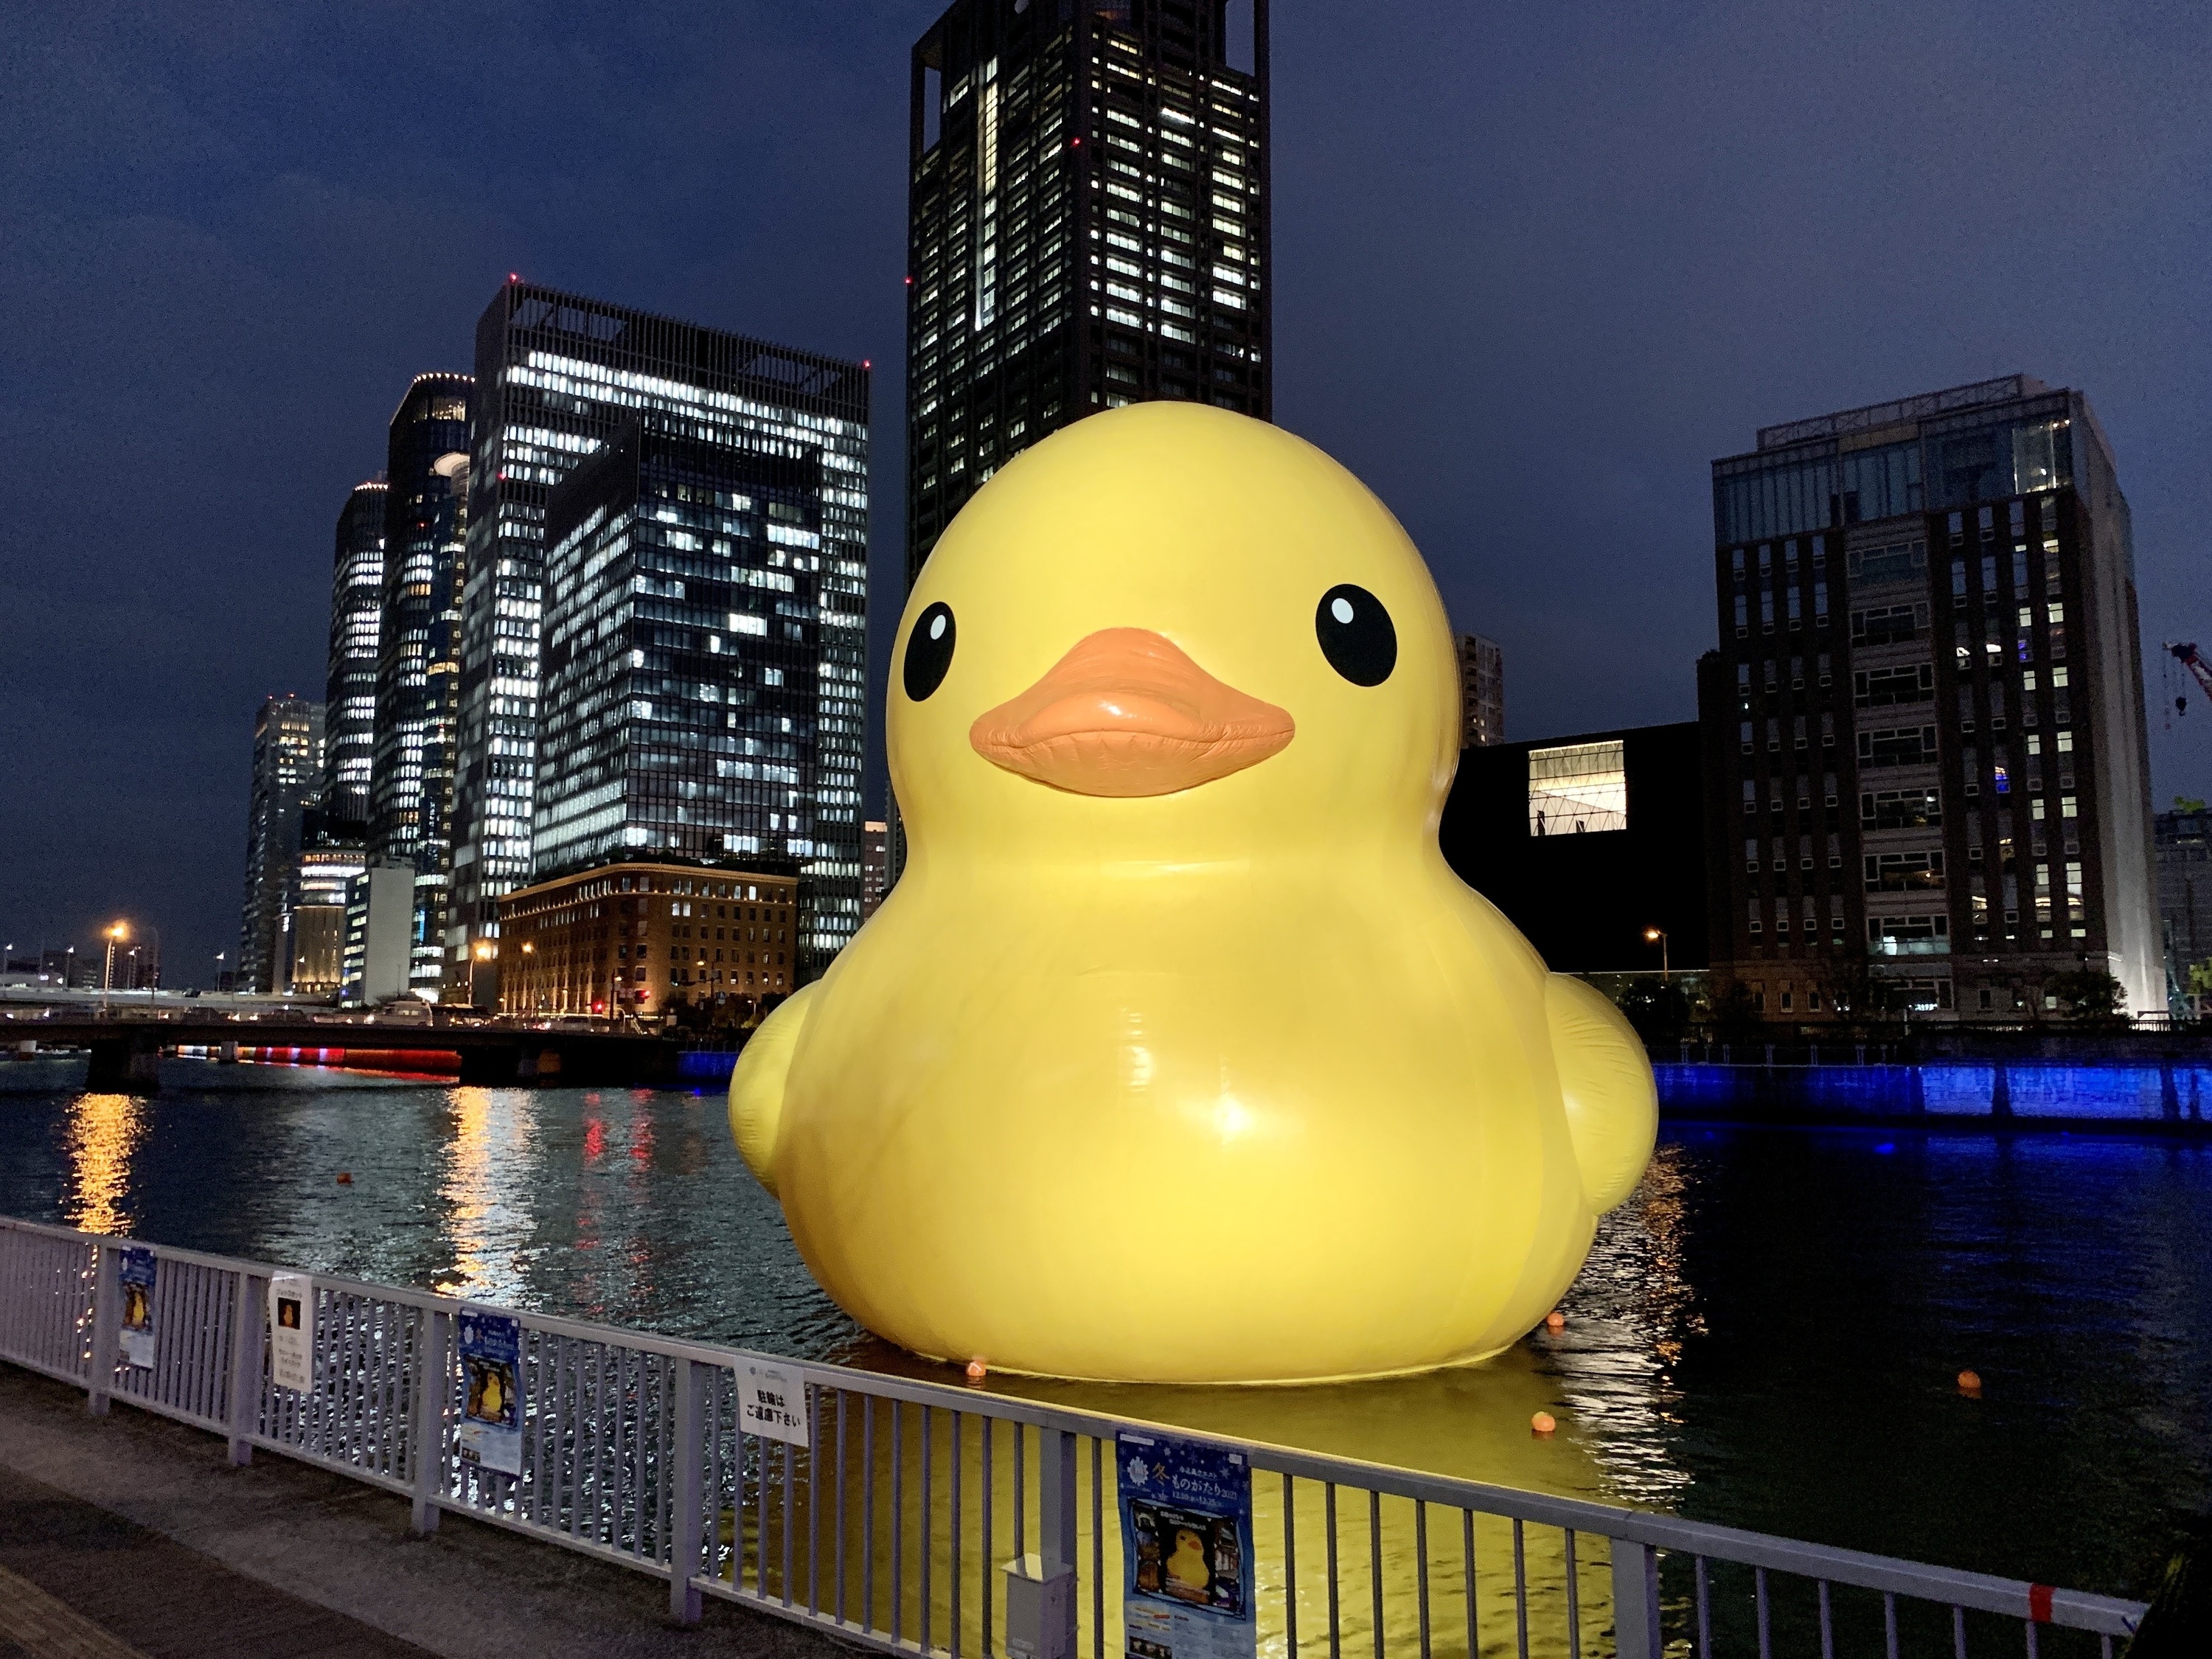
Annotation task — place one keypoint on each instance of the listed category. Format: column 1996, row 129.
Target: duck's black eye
column 929, row 651
column 1356, row 635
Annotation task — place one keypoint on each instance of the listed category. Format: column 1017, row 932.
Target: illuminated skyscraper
column 419, row 655
column 557, row 374
column 680, row 666
column 349, row 697
column 1087, row 226
column 287, row 775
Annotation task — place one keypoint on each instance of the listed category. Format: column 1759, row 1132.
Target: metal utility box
column 1040, row 1610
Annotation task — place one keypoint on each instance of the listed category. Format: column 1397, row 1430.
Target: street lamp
column 1658, row 936
column 115, row 935
column 483, row 951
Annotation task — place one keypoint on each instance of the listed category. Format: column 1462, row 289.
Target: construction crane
column 2187, row 657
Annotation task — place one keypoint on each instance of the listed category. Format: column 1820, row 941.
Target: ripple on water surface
column 1766, row 1334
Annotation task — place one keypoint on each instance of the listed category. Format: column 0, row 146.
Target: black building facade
column 419, row 655
column 1587, row 843
column 1925, row 721
column 1087, row 226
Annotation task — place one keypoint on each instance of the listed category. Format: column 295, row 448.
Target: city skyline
column 1712, row 299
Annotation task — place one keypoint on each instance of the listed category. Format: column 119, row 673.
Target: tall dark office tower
column 556, row 375
column 350, row 694
column 1481, row 692
column 1924, row 724
column 419, row 655
column 287, row 775
column 1087, row 226
column 680, row 665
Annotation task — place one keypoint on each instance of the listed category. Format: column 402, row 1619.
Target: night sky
column 1535, row 266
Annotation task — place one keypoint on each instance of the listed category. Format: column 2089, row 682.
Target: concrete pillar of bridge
column 124, row 1064
column 227, row 1054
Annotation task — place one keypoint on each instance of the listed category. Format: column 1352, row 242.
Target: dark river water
column 1767, row 1334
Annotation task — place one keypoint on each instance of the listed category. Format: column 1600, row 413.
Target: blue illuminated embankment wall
column 705, row 1064
column 2024, row 1094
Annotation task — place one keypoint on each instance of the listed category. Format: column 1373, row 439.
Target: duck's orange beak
column 1125, row 713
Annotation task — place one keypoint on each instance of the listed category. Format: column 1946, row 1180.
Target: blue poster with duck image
column 491, row 1376
column 135, row 1273
column 1186, row 1548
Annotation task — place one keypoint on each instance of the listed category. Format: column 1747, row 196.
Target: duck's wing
column 1613, row 1104
column 756, row 1083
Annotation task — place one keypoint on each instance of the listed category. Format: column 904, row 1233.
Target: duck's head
column 1172, row 633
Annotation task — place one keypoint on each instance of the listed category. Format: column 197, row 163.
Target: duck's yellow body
column 1178, row 1054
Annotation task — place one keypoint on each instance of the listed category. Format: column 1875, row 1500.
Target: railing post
column 1634, row 1599
column 434, row 1378
column 107, row 1326
column 1056, row 1540
column 246, row 1324
column 1058, row 1552
column 1041, row 1601
column 685, row 1500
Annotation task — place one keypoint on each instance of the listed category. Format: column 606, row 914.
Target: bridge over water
column 126, row 1048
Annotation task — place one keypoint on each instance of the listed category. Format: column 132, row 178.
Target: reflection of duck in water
column 1187, row 1572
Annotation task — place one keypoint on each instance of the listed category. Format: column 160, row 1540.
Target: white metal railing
column 894, row 1525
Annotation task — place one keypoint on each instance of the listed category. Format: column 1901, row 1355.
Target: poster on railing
column 491, row 1369
column 771, row 1401
column 136, row 1274
column 1186, row 1548
column 291, row 1331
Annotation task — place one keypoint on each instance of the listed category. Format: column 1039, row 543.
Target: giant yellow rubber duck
column 1178, row 1054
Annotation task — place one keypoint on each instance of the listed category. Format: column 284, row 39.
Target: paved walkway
column 130, row 1536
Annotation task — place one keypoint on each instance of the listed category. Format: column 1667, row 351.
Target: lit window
column 1582, row 787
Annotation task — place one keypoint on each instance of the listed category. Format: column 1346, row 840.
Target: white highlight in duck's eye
column 1342, row 610
column 936, row 625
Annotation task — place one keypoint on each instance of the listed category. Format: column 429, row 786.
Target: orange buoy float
column 976, row 1369
column 1970, row 1384
column 1542, row 1423
column 1555, row 1321
column 345, row 1177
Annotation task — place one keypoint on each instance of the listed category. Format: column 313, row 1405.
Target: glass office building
column 680, row 648
column 287, row 777
column 419, row 656
column 349, row 691
column 558, row 375
column 1925, row 719
column 1087, row 226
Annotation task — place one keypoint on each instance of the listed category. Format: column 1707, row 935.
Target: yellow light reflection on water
column 103, row 1135
column 487, row 1191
